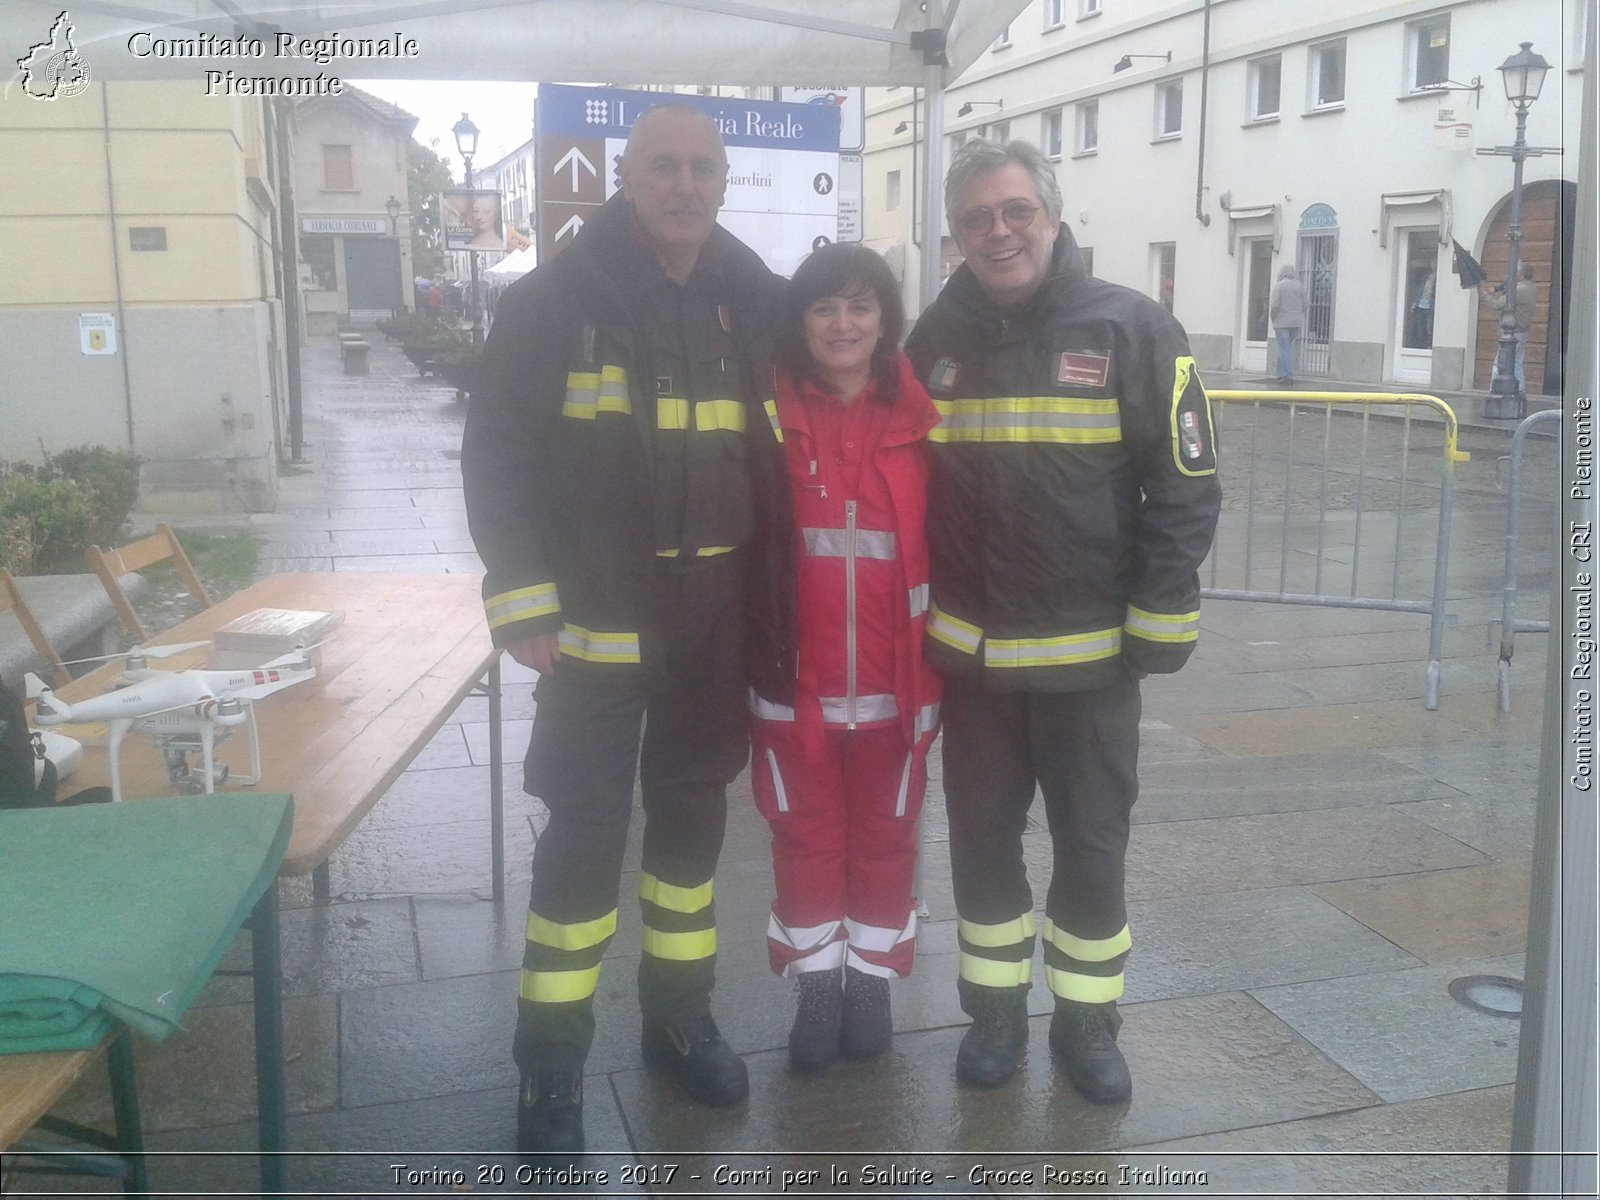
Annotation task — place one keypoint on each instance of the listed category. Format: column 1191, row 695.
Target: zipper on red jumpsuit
column 850, row 613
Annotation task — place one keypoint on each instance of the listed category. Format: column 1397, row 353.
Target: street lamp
column 467, row 145
column 393, row 209
column 1523, row 74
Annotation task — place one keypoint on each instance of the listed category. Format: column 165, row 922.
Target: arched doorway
column 1549, row 210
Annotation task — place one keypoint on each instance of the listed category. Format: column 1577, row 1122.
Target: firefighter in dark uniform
column 613, row 459
column 1073, row 498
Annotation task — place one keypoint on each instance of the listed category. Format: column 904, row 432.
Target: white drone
column 182, row 711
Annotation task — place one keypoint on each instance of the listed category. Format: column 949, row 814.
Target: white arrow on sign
column 574, row 158
column 574, row 223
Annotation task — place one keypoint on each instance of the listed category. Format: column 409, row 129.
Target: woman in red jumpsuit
column 840, row 775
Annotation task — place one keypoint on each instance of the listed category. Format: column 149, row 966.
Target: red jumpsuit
column 840, row 776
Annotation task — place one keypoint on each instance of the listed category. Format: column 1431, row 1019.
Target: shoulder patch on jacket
column 1194, row 447
column 942, row 376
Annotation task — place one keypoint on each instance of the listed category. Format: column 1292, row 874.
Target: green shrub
column 48, row 516
column 112, row 478
column 51, row 514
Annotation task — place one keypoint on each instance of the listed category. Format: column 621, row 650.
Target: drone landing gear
column 186, row 778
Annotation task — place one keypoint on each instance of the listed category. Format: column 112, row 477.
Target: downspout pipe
column 123, row 340
column 289, row 274
column 1200, row 213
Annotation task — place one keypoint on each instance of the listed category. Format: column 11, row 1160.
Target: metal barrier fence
column 1510, row 625
column 1352, row 466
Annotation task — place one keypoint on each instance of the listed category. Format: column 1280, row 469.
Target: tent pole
column 932, row 162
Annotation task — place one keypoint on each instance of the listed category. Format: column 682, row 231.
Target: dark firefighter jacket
column 619, row 420
column 1074, row 490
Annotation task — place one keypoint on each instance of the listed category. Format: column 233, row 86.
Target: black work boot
column 691, row 1050
column 814, row 1037
column 992, row 1047
column 1083, row 1038
column 868, row 1027
column 550, row 1113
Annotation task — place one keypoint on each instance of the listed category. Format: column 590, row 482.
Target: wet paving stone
column 1401, row 1033
column 453, row 857
column 1452, row 1145
column 1223, row 854
column 1286, row 783
column 1199, row 1065
column 1443, row 916
column 1229, row 942
column 329, row 948
column 205, row 1075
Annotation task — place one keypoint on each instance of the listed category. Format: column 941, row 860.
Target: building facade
column 351, row 208
column 150, row 304
column 1200, row 144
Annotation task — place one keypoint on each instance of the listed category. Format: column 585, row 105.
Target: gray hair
column 980, row 157
column 650, row 116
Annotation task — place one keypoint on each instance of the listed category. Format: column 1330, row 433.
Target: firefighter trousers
column 595, row 728
column 1081, row 749
column 844, row 849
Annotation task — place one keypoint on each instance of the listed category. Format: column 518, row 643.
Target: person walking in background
column 614, row 452
column 1525, row 301
column 840, row 762
column 1073, row 497
column 1287, row 309
column 1422, row 315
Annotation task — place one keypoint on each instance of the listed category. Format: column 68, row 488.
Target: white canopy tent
column 733, row 42
column 512, row 267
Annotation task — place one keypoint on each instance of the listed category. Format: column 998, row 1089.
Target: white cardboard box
column 269, row 633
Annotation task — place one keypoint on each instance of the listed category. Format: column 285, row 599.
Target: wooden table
column 409, row 649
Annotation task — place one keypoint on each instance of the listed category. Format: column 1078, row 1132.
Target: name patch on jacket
column 1083, row 370
column 942, row 377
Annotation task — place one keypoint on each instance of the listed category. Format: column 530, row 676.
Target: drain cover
column 1496, row 995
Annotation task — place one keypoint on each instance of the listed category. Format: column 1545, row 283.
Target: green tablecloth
column 123, row 910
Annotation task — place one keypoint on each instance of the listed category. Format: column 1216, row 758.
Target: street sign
column 784, row 187
column 851, row 103
column 849, row 198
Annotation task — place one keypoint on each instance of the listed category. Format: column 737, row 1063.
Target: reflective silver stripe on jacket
column 590, row 393
column 768, row 710
column 835, row 543
column 927, row 719
column 1052, row 651
column 919, row 600
column 879, row 707
column 953, row 631
column 1028, row 419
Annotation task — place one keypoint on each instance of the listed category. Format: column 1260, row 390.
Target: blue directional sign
column 783, row 165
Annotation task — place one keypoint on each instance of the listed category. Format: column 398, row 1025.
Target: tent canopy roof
column 734, row 42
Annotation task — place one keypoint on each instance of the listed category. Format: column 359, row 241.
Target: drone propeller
column 138, row 651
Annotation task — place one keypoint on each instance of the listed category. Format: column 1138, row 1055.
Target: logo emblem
column 943, row 376
column 54, row 69
column 597, row 112
column 1084, row 370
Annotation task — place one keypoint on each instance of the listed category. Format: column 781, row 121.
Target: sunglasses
column 1017, row 214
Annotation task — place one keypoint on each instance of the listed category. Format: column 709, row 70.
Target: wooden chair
column 136, row 556
column 11, row 599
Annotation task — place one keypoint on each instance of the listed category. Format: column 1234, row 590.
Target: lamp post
column 467, row 145
column 1523, row 74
